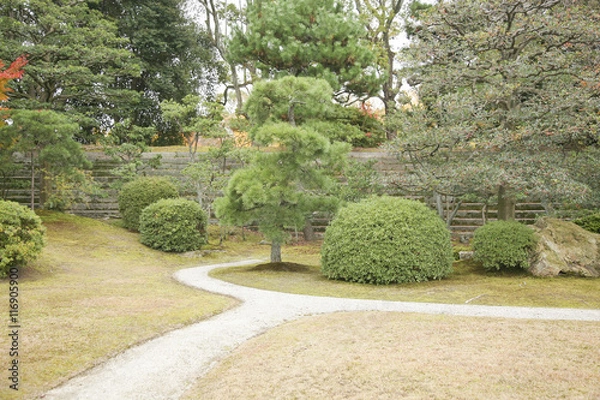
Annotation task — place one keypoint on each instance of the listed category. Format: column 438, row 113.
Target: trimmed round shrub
column 175, row 225
column 503, row 244
column 22, row 236
column 139, row 194
column 385, row 240
column 590, row 223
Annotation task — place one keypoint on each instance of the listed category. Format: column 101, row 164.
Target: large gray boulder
column 565, row 248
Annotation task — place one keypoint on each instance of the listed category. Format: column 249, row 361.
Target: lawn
column 469, row 283
column 377, row 355
column 94, row 292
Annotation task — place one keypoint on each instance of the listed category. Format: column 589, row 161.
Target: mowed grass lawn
column 469, row 283
column 377, row 355
column 94, row 292
column 390, row 356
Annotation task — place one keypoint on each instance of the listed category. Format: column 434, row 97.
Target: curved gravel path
column 164, row 367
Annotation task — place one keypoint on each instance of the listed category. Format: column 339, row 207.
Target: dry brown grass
column 374, row 355
column 468, row 283
column 94, row 292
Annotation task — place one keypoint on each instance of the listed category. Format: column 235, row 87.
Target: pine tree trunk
column 506, row 205
column 275, row 251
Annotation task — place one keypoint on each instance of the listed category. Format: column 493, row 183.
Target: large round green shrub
column 385, row 240
column 173, row 225
column 139, row 194
column 503, row 244
column 21, row 236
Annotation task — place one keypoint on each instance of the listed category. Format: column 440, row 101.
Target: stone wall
column 469, row 217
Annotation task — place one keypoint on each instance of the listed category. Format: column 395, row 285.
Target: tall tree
column 383, row 20
column 176, row 57
column 218, row 17
column 313, row 38
column 75, row 58
column 280, row 188
column 509, row 94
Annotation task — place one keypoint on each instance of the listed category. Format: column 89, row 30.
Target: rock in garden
column 565, row 248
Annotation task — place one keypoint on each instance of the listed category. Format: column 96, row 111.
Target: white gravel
column 165, row 367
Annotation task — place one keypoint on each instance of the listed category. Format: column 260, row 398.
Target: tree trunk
column 506, row 204
column 45, row 185
column 275, row 251
column 438, row 204
column 309, row 232
column 32, row 182
column 238, row 91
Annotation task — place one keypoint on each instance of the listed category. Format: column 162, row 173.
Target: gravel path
column 164, row 367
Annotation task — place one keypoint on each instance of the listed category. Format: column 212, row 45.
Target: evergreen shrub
column 590, row 223
column 22, row 236
column 175, row 225
column 503, row 244
column 384, row 240
column 139, row 194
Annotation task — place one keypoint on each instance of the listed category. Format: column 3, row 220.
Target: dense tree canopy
column 308, row 101
column 75, row 57
column 314, row 38
column 106, row 61
column 509, row 98
column 176, row 58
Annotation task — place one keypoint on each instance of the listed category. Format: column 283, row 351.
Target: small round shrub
column 139, row 194
column 503, row 244
column 385, row 240
column 589, row 223
column 176, row 225
column 22, row 236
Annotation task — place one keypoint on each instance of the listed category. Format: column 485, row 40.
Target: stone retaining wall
column 469, row 217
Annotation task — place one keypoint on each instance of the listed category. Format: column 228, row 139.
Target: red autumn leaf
column 14, row 71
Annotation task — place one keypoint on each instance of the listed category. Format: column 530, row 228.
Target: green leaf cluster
column 589, row 223
column 22, row 236
column 308, row 101
column 75, row 57
column 46, row 139
column 290, row 99
column 317, row 38
column 385, row 240
column 139, row 194
column 503, row 244
column 281, row 187
column 176, row 225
